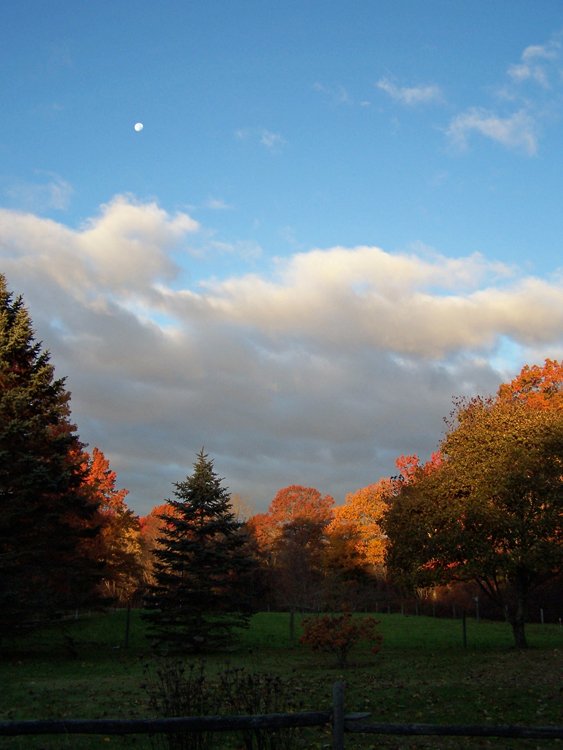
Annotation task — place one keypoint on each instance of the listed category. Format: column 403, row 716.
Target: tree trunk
column 519, row 632
column 517, row 618
column 292, row 625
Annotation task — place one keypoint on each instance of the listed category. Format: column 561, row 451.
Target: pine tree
column 45, row 518
column 202, row 567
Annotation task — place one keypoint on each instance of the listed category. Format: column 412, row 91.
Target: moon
column 138, row 127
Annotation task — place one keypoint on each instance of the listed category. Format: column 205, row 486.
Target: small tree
column 202, row 568
column 338, row 634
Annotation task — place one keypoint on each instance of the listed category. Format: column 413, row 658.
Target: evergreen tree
column 45, row 518
column 202, row 567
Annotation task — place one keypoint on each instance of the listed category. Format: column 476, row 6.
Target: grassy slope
column 422, row 674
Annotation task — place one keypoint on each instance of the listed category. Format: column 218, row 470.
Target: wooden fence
column 341, row 722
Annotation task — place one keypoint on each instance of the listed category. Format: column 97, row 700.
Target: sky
column 338, row 217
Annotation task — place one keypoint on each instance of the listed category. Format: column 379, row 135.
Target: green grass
column 422, row 674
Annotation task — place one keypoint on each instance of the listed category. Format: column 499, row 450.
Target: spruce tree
column 202, row 567
column 45, row 517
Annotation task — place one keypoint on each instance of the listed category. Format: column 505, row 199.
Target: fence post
column 127, row 625
column 338, row 716
column 464, row 628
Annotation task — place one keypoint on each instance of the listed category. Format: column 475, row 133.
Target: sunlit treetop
column 540, row 386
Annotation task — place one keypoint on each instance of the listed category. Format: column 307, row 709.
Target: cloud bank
column 319, row 371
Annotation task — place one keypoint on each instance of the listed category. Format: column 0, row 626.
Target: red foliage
column 290, row 505
column 337, row 634
column 410, row 466
column 539, row 386
column 296, row 502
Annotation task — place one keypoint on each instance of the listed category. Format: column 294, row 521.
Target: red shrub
column 337, row 634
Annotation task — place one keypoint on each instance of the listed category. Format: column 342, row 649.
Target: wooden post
column 464, row 626
column 127, row 625
column 338, row 716
column 292, row 625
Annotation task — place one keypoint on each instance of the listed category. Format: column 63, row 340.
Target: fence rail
column 341, row 724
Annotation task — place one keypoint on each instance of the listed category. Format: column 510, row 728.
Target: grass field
column 422, row 674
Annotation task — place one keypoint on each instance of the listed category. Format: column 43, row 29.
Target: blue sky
column 337, row 216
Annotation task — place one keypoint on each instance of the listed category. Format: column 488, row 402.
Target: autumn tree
column 293, row 503
column 290, row 504
column 299, row 565
column 118, row 545
column 348, row 579
column 491, row 511
column 291, row 537
column 360, row 517
column 150, row 527
column 538, row 386
column 202, row 567
column 45, row 518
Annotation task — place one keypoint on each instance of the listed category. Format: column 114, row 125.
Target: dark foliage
column 46, row 519
column 203, row 568
column 178, row 689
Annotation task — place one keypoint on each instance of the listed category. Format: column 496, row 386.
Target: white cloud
column 126, row 247
column 337, row 95
column 246, row 250
column 539, row 64
column 411, row 95
column 54, row 193
column 270, row 140
column 217, row 204
column 318, row 373
column 266, row 138
column 533, row 64
column 517, row 131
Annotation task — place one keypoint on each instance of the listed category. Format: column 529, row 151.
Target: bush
column 178, row 690
column 248, row 693
column 175, row 689
column 338, row 634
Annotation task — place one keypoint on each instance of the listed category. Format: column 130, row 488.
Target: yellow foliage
column 360, row 516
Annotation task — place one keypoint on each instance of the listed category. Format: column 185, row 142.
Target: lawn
column 422, row 674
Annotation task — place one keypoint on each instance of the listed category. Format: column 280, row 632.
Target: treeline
column 481, row 518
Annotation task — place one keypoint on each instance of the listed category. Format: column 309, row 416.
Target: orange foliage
column 118, row 543
column 151, row 524
column 263, row 530
column 410, row 466
column 102, row 480
column 291, row 504
column 296, row 502
column 538, row 386
column 360, row 518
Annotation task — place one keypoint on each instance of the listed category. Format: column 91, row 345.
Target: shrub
column 175, row 689
column 178, row 690
column 247, row 693
column 338, row 633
